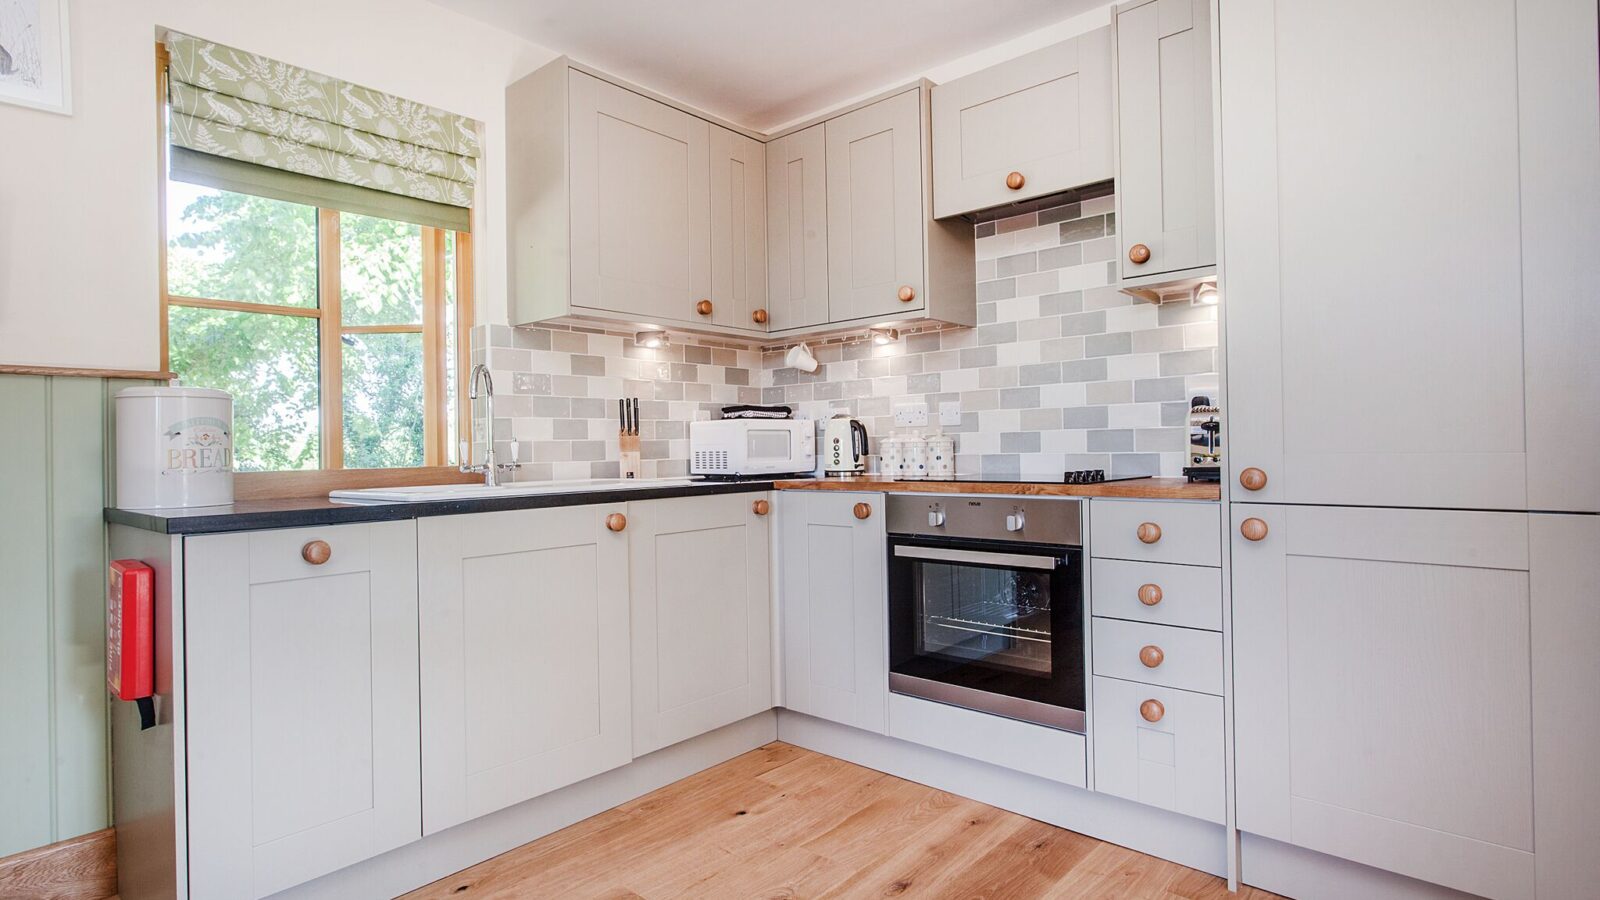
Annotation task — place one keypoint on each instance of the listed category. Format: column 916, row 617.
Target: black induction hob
column 1076, row 477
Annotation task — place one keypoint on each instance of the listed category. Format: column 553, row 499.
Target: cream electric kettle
column 844, row 447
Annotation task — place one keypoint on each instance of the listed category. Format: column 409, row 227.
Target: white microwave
column 752, row 447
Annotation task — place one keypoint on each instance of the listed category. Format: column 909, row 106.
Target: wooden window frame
column 332, row 475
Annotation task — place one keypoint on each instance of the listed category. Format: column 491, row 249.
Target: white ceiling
column 765, row 63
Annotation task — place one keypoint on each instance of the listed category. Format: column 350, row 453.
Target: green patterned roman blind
column 242, row 122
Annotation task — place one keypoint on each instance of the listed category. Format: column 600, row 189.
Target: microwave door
column 769, row 445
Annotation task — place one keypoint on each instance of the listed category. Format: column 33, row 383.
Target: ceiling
column 765, row 63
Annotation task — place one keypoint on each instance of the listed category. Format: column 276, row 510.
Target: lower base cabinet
column 1174, row 762
column 833, row 600
column 524, row 656
column 301, row 703
column 702, row 615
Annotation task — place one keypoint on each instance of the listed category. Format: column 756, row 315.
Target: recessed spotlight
column 1206, row 295
column 652, row 340
column 882, row 336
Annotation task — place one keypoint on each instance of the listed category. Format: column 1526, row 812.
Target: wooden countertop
column 1144, row 488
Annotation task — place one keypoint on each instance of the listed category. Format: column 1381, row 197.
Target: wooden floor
column 780, row 821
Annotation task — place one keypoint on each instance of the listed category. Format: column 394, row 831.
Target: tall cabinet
column 1408, row 313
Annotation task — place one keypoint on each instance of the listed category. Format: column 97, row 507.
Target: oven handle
column 980, row 557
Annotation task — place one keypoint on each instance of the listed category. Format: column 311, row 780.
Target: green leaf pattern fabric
column 239, row 105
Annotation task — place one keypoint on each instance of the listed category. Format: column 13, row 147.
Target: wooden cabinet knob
column 1138, row 254
column 1015, row 181
column 616, row 521
column 863, row 510
column 1149, row 594
column 316, row 552
column 703, row 307
column 1152, row 710
column 1149, row 532
column 907, row 293
column 1151, row 656
column 760, row 507
column 1252, row 479
column 1253, row 529
column 759, row 317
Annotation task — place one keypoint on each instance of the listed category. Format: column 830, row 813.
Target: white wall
column 78, row 223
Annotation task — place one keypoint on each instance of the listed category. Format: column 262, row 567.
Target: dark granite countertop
column 251, row 515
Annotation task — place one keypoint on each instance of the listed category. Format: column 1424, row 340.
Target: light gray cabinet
column 1166, row 197
column 701, row 615
column 301, row 706
column 797, row 229
column 524, row 656
column 738, row 230
column 1409, row 274
column 1383, row 684
column 833, row 599
column 875, row 211
column 1035, row 125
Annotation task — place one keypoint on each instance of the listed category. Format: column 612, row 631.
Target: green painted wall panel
column 53, row 746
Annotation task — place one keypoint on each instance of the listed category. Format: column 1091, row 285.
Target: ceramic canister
column 941, row 456
column 893, row 456
column 914, row 451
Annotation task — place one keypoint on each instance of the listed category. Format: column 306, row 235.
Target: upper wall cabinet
column 626, row 208
column 1165, row 178
column 1451, row 325
column 1035, row 125
column 797, row 229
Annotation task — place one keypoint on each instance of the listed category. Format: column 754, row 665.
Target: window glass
column 269, row 364
column 227, row 246
column 383, row 401
column 380, row 271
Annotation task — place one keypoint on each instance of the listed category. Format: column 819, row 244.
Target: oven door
column 988, row 625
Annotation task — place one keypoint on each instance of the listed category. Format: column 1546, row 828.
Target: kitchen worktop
column 299, row 512
column 1144, row 488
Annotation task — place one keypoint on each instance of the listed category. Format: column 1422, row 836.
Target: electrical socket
column 950, row 412
column 910, row 415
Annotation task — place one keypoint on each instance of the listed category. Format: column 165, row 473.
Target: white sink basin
column 437, row 492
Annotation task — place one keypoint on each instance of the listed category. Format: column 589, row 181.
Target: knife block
column 629, row 445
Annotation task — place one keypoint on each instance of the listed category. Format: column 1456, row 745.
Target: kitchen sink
column 438, row 492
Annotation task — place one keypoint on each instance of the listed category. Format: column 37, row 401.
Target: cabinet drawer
column 284, row 554
column 1189, row 596
column 1187, row 533
column 1174, row 762
column 1185, row 658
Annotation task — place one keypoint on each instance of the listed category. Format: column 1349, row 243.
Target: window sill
column 317, row 483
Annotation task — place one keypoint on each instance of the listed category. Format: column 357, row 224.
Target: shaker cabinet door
column 301, row 706
column 641, row 203
column 1409, row 275
column 1381, row 671
column 875, row 214
column 797, row 229
column 738, row 230
column 702, row 615
column 834, row 601
column 1165, row 178
column 1035, row 125
column 524, row 647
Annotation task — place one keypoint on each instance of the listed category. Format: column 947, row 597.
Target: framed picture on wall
column 35, row 70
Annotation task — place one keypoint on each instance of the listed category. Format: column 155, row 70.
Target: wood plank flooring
column 780, row 821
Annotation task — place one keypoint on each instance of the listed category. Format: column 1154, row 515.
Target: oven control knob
column 1015, row 521
column 935, row 517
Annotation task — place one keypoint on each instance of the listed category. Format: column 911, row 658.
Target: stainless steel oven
column 986, row 604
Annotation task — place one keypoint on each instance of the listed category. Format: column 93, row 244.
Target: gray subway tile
column 1039, row 373
column 570, row 429
column 599, row 408
column 998, row 333
column 1109, row 392
column 668, row 390
column 997, row 377
column 589, row 450
column 1111, row 440
column 695, row 354
column 1084, row 417
column 905, row 365
column 569, row 385
column 1058, row 214
column 922, row 343
column 1181, row 313
column 685, row 372
column 1100, row 461
column 530, row 338
column 668, row 468
column 1188, row 362
column 605, row 468
column 997, row 290
column 1156, row 389
column 552, row 407
column 1116, row 343
column 1084, row 370
column 1000, row 464
column 1111, row 223
column 1041, row 419
column 1083, row 229
column 1061, row 349
column 1105, row 298
column 1019, row 442
column 731, row 375
column 827, row 390
column 1083, row 323
column 1060, row 257
column 976, row 357
column 1019, row 398
column 1099, row 249
column 1128, row 464
column 569, row 342
column 672, row 429
column 653, row 450
column 984, row 229
column 922, row 384
column 1060, row 304
column 1161, row 440
column 1038, row 329
column 552, row 451
column 987, row 313
column 1018, row 264
column 1175, row 413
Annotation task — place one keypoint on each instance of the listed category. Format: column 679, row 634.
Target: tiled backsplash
column 1063, row 371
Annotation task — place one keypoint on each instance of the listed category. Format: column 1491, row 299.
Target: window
column 339, row 335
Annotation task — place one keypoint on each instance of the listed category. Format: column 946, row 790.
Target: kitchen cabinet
column 1166, row 196
column 1445, row 357
column 797, row 229
column 875, row 210
column 1035, row 125
column 1383, row 695
column 834, row 600
column 525, row 655
column 738, row 230
column 301, row 706
column 1165, row 531
column 1160, row 746
column 701, row 615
